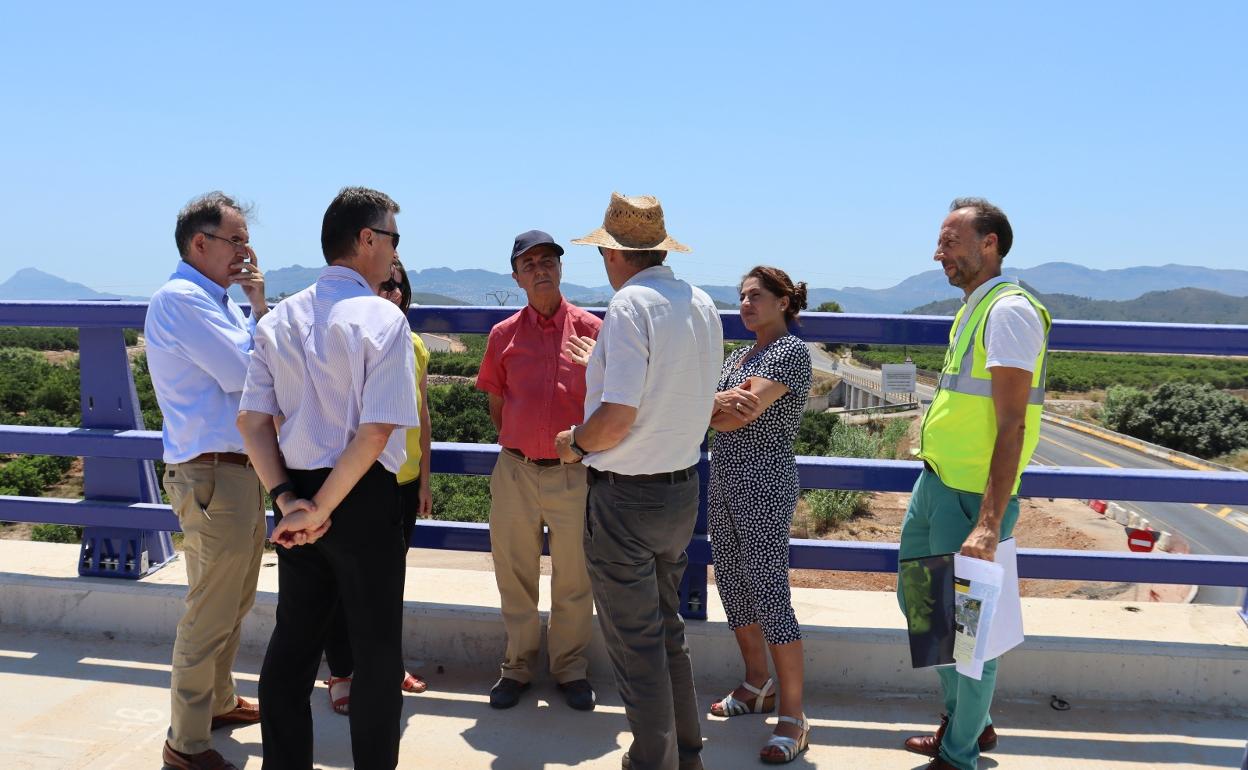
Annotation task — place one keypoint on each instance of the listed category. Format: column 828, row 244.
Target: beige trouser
column 221, row 510
column 525, row 496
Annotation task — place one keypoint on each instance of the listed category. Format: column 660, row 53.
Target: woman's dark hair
column 778, row 283
column 404, row 286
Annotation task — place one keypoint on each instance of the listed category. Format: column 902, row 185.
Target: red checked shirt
column 543, row 391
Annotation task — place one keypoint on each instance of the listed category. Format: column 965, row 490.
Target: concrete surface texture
column 84, row 675
column 74, row 702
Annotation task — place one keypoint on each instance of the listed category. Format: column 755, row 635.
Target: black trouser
column 636, row 532
column 338, row 642
column 361, row 559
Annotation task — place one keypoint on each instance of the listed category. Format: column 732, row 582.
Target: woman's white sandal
column 731, row 707
column 789, row 748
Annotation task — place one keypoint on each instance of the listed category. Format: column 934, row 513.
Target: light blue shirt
column 329, row 358
column 198, row 345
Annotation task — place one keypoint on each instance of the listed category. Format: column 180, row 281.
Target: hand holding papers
column 962, row 610
column 976, row 587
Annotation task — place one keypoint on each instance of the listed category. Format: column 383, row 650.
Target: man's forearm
column 1002, row 471
column 260, row 442
column 352, row 464
column 606, row 427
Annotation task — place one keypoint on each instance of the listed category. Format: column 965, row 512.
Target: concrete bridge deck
column 84, row 672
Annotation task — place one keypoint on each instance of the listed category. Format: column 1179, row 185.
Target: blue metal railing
column 119, row 495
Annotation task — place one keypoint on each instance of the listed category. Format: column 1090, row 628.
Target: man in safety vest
column 977, row 436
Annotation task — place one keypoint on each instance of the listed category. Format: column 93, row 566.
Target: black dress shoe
column 578, row 694
column 506, row 693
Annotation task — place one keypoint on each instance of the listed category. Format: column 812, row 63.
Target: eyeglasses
column 389, row 286
column 237, row 244
column 395, row 236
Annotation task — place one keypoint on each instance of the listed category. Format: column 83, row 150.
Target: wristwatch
column 575, row 446
column 280, row 490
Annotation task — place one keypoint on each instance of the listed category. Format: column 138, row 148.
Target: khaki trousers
column 220, row 507
column 525, row 496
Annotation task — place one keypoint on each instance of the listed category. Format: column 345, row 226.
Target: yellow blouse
column 411, row 469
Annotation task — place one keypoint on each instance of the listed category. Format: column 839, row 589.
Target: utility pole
column 501, row 297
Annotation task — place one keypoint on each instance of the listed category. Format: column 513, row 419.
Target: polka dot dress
column 753, row 492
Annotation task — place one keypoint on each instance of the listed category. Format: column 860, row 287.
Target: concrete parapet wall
column 853, row 640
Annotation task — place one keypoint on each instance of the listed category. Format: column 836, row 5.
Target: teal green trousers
column 938, row 521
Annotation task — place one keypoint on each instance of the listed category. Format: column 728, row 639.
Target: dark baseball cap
column 529, row 239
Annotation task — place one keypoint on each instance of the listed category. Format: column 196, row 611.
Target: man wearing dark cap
column 535, row 392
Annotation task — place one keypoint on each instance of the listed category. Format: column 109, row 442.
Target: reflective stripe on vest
column 959, row 429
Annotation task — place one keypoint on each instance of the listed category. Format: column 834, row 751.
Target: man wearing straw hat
column 649, row 384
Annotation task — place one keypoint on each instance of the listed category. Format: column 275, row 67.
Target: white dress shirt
column 197, row 342
column 660, row 350
column 327, row 359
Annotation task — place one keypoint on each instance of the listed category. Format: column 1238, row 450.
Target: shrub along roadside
column 1197, row 419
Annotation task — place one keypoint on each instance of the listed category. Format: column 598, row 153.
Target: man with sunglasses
column 536, row 391
column 334, row 365
column 198, row 343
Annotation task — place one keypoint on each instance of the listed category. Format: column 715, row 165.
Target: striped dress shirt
column 327, row 359
column 197, row 344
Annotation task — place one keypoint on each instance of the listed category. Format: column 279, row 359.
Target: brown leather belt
column 233, row 458
column 522, row 457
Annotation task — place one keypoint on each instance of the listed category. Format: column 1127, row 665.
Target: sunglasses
column 395, row 236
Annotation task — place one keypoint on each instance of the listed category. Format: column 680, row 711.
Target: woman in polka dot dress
column 753, row 492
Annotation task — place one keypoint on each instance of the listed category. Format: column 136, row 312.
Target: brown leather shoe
column 929, row 745
column 940, row 764
column 244, row 713
column 204, row 760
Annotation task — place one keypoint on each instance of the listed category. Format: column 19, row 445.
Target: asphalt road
column 1199, row 524
column 1204, row 527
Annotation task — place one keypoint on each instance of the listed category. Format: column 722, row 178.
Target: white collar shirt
column 660, row 350
column 327, row 359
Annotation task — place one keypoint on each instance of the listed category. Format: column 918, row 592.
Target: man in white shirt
column 333, row 366
column 198, row 342
column 649, row 389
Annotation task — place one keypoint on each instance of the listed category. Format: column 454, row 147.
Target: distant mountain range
column 1197, row 306
column 483, row 287
column 29, row 283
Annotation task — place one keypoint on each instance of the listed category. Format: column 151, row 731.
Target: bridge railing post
column 109, row 400
column 693, row 584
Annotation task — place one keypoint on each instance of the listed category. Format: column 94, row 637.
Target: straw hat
column 633, row 223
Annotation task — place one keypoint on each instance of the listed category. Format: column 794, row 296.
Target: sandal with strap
column 764, row 701
column 780, row 749
column 341, row 704
column 413, row 683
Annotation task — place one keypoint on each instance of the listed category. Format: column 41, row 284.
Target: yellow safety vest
column 960, row 428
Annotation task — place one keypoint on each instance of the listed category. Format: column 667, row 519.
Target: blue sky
column 824, row 138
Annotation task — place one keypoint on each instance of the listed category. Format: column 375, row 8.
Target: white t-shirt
column 660, row 350
column 1014, row 334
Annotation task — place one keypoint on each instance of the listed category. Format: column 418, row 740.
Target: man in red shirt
column 536, row 391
